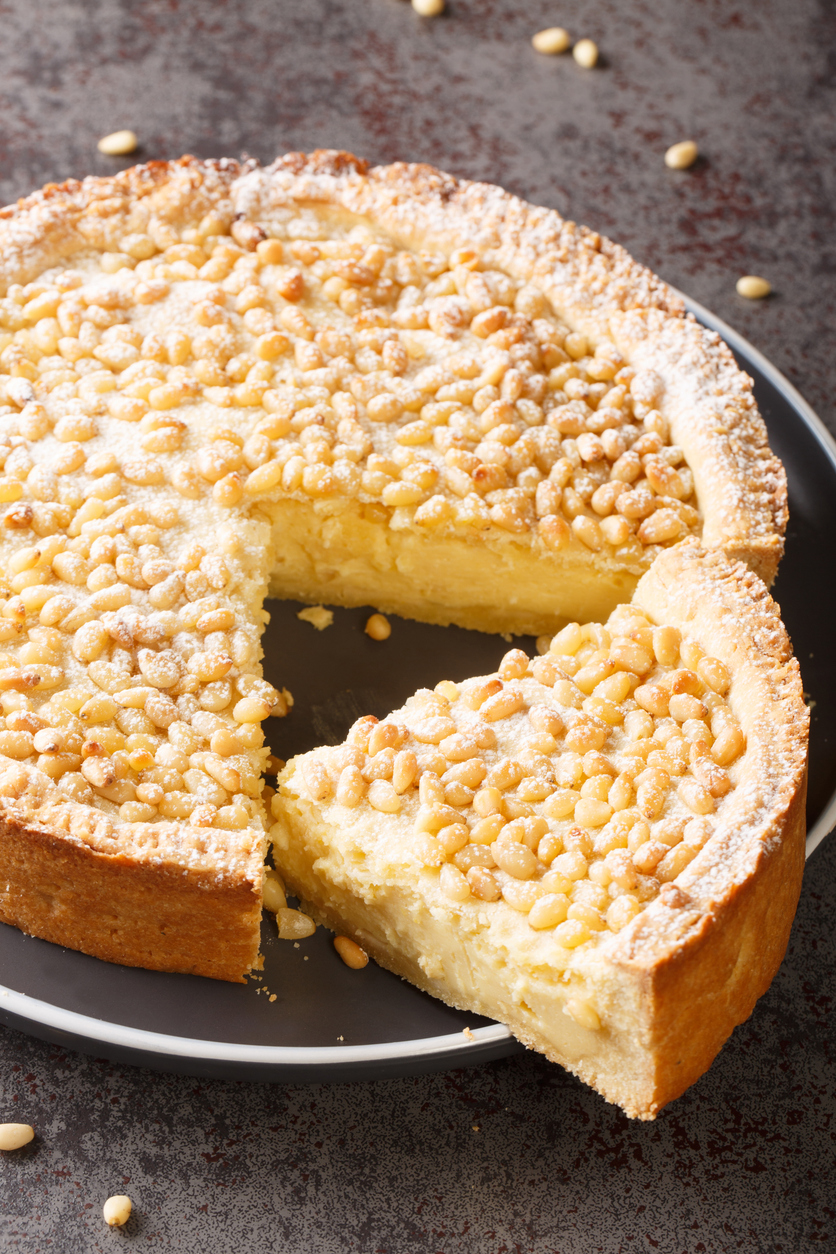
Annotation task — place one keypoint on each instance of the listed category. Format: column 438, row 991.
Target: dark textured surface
column 745, row 1161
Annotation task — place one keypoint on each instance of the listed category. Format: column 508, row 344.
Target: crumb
column 467, row 1032
column 272, row 997
column 306, row 957
column 340, row 1038
column 295, row 944
column 317, row 616
column 507, row 637
column 476, row 1128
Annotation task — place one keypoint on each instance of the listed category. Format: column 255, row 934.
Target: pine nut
column 682, row 155
column 118, row 144
column 273, row 892
column 453, row 883
column 482, row 884
column 351, row 953
column 572, row 933
column 585, row 53
column 15, row 1135
column 551, row 41
column 378, row 627
column 293, row 925
column 117, row 1210
column 583, row 1013
column 753, row 287
column 250, row 710
column 382, row 796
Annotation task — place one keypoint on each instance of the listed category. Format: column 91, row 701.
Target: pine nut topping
column 570, row 802
column 188, row 379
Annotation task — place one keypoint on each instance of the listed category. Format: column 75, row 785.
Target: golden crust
column 592, row 283
column 671, row 986
column 164, row 897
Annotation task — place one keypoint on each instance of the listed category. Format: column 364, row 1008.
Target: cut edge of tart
column 348, row 382
column 617, row 887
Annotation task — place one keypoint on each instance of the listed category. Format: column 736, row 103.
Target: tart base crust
column 158, row 905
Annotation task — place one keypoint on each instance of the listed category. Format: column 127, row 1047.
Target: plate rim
column 448, row 1049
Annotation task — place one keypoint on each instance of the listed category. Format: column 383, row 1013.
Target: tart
column 338, row 384
column 601, row 848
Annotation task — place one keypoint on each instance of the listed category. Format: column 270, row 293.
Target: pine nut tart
column 340, row 384
column 601, row 848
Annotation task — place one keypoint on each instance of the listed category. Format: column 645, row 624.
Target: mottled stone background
column 515, row 1156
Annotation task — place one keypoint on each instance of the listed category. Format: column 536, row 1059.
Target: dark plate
column 330, row 1023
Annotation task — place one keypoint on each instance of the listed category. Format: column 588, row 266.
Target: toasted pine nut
column 753, row 287
column 680, row 156
column 294, row 925
column 551, row 41
column 273, row 892
column 117, row 1210
column 585, row 53
column 118, row 144
column 351, row 953
column 378, row 627
column 15, row 1135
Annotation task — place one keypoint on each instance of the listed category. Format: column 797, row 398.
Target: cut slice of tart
column 351, row 385
column 601, row 847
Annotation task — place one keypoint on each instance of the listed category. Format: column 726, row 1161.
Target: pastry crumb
column 317, row 616
column 468, row 1033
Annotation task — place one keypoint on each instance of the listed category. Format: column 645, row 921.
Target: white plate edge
column 98, row 1030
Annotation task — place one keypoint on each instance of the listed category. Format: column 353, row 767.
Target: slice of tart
column 601, row 847
column 349, row 385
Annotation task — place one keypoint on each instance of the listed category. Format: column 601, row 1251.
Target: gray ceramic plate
column 330, row 1023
